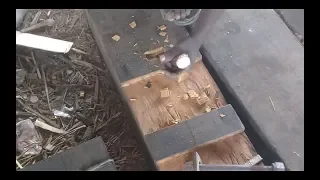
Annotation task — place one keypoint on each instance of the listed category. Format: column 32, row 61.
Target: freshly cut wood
column 153, row 114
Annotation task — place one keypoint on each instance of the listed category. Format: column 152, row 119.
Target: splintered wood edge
column 149, row 75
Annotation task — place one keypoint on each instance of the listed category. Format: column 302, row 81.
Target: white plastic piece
column 43, row 43
column 61, row 114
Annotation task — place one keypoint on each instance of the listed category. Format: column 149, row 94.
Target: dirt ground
column 76, row 83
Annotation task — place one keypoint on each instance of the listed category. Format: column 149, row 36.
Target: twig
column 49, row 121
column 87, row 64
column 46, row 87
column 79, row 51
column 48, row 22
column 272, row 103
column 48, row 127
column 19, row 165
column 96, row 90
column 35, row 64
column 36, row 18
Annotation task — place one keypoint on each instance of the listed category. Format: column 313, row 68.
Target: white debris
column 61, row 114
column 27, row 138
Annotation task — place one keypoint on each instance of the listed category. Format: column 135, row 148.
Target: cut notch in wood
column 200, row 130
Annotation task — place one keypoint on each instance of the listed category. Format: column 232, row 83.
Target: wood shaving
column 185, row 96
column 162, row 27
column 116, row 37
column 202, row 99
column 193, row 94
column 165, row 93
column 182, row 76
column 222, row 115
column 162, row 34
column 133, row 24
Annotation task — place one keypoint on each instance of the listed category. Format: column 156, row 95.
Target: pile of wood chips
column 71, row 92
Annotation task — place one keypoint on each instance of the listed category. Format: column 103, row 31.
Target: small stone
column 163, row 34
column 202, row 99
column 192, row 94
column 222, row 115
column 133, row 24
column 34, row 99
column 116, row 37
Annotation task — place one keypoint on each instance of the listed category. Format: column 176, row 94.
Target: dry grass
column 99, row 113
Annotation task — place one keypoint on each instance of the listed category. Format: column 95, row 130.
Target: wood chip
column 116, row 37
column 193, row 94
column 81, row 93
column 133, row 24
column 167, row 39
column 202, row 99
column 162, row 27
column 162, row 33
column 79, row 51
column 182, row 76
column 222, row 115
column 185, row 96
column 208, row 109
column 154, row 51
column 45, row 126
column 49, row 147
column 165, row 92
